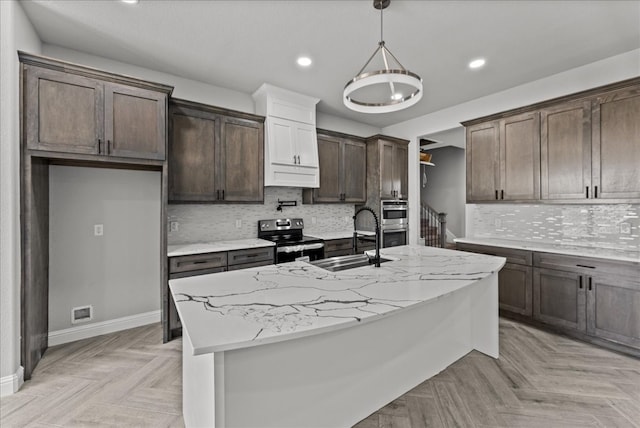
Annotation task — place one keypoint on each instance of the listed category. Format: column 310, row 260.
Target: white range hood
column 291, row 144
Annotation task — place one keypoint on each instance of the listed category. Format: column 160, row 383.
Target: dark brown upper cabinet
column 578, row 148
column 343, row 163
column 215, row 155
column 70, row 110
column 503, row 159
column 387, row 168
column 616, row 144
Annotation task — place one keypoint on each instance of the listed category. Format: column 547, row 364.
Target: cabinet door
column 282, row 148
column 520, row 157
column 613, row 309
column 483, row 160
column 400, row 171
column 559, row 298
column 515, row 289
column 135, row 122
column 329, row 154
column 306, row 144
column 64, row 112
column 354, row 182
column 386, row 170
column 616, row 145
column 565, row 151
column 242, row 160
column 192, row 158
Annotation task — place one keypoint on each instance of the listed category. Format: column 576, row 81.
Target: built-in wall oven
column 394, row 215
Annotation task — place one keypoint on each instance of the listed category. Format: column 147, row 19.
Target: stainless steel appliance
column 395, row 222
column 290, row 242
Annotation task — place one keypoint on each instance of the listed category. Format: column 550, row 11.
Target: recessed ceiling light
column 129, row 1
column 397, row 96
column 477, row 63
column 304, row 61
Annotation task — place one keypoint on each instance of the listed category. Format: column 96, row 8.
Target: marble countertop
column 337, row 235
column 212, row 247
column 573, row 250
column 245, row 308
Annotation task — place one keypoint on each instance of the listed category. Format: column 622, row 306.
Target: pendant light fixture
column 388, row 89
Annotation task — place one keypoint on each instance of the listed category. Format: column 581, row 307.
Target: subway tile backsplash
column 598, row 226
column 211, row 222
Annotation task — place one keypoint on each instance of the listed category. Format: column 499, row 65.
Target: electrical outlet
column 238, row 224
column 98, row 230
column 497, row 222
column 174, row 226
column 625, row 228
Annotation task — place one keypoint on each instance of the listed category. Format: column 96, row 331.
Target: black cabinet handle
column 502, row 194
column 595, row 192
column 218, row 194
column 223, row 194
column 586, row 266
column 589, row 283
column 580, row 283
column 496, row 194
column 99, row 145
column 587, row 192
column 108, row 147
column 199, row 262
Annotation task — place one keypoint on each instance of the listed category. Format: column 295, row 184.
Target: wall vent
column 81, row 314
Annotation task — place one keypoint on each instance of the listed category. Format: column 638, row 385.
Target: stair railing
column 433, row 226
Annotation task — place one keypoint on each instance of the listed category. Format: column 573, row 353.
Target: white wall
column 117, row 273
column 613, row 69
column 16, row 33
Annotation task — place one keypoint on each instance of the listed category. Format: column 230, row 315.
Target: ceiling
column 242, row 44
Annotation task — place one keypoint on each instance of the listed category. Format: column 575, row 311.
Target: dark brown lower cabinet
column 515, row 289
column 603, row 306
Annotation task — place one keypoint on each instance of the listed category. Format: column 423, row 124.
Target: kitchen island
column 295, row 345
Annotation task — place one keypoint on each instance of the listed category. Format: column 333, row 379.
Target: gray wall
column 16, row 33
column 118, row 273
column 445, row 188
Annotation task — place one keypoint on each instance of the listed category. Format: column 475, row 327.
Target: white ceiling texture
column 241, row 44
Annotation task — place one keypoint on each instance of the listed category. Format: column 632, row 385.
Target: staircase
column 433, row 227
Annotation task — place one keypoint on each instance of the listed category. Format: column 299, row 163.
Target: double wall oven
column 394, row 218
column 291, row 244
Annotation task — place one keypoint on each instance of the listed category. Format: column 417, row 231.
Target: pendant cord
column 381, row 26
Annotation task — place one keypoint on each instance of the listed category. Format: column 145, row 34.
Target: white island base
column 338, row 378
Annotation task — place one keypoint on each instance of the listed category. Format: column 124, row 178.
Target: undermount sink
column 335, row 264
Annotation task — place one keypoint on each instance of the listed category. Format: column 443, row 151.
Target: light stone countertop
column 212, row 247
column 573, row 250
column 337, row 235
column 244, row 308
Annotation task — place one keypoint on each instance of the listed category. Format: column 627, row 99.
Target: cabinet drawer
column 587, row 265
column 251, row 256
column 519, row 257
column 197, row 262
column 188, row 273
column 251, row 265
column 338, row 245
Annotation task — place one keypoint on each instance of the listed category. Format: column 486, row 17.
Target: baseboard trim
column 12, row 383
column 104, row 327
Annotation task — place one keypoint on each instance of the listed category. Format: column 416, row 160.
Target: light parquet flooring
column 131, row 379
column 540, row 380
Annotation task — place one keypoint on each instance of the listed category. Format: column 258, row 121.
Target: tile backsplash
column 211, row 222
column 599, row 226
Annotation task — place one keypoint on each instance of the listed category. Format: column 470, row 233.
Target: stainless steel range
column 290, row 242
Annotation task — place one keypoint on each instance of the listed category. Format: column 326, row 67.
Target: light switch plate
column 625, row 228
column 238, row 224
column 174, row 226
column 98, row 230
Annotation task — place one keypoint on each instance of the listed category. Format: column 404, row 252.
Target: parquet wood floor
column 131, row 379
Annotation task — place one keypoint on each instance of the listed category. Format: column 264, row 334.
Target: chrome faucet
column 355, row 234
